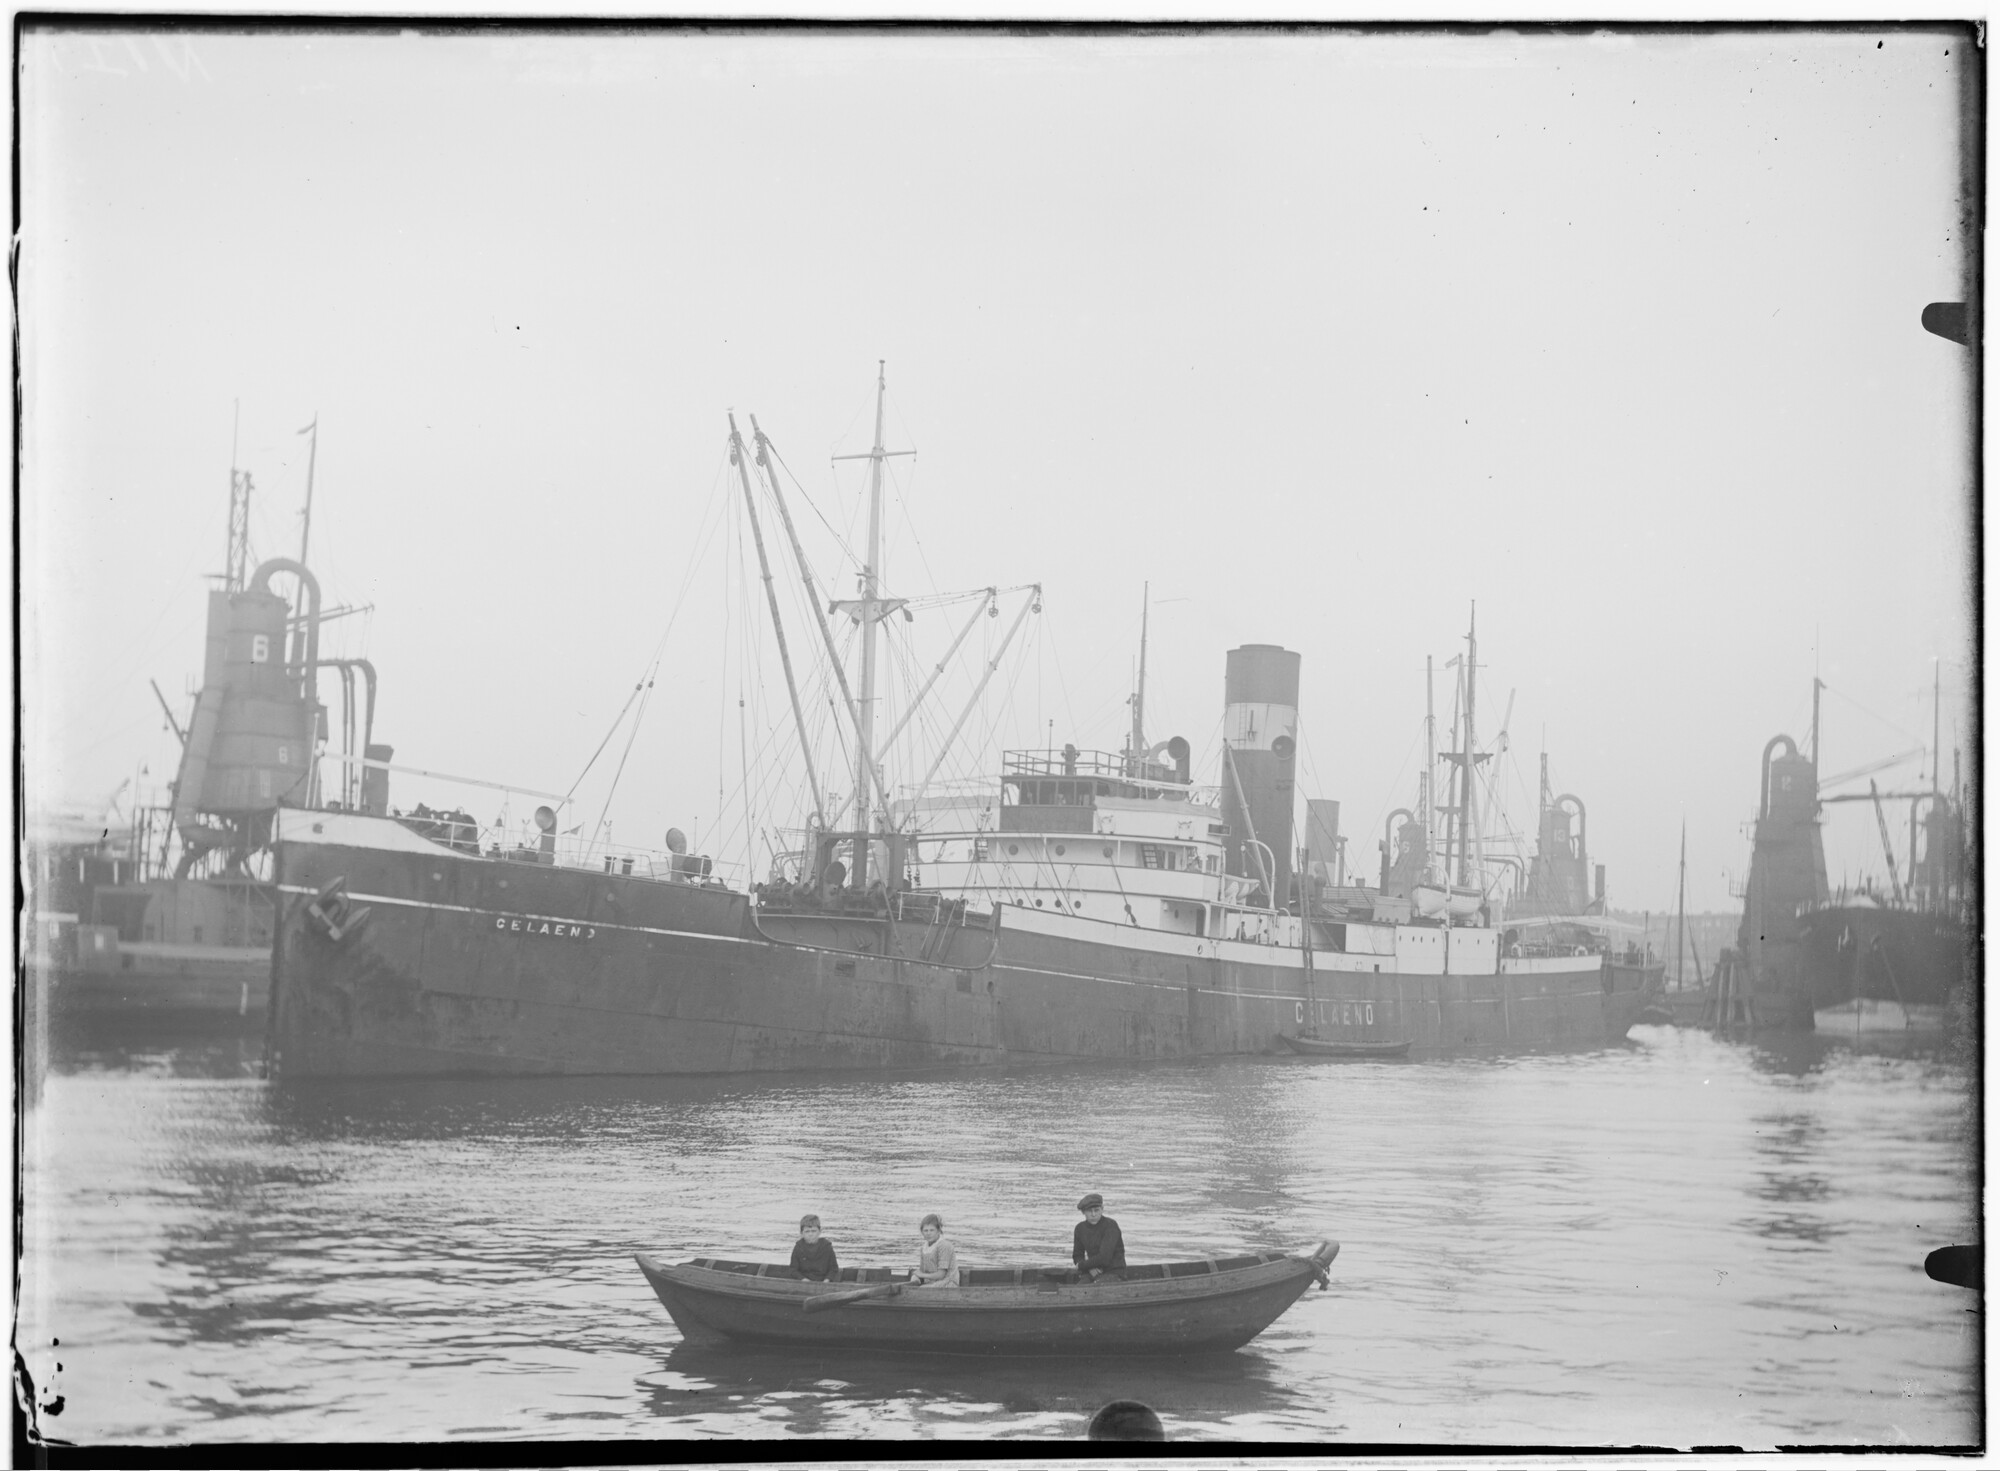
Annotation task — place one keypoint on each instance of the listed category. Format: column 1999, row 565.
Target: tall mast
column 1681, row 910
column 1936, row 675
column 1465, row 813
column 870, row 611
column 766, row 453
column 1818, row 685
column 1542, row 807
column 871, row 594
column 737, row 457
column 1139, row 695
column 305, row 530
column 312, row 458
column 236, row 565
column 1430, row 763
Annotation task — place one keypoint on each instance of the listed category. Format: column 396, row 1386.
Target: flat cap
column 1092, row 1201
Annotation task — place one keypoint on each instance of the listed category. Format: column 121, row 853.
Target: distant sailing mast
column 868, row 610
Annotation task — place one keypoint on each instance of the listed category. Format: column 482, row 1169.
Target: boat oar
column 835, row 1299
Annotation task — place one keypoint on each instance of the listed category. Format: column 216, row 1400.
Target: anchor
column 337, row 915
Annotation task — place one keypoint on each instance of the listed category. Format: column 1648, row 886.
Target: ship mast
column 738, row 457
column 1138, row 747
column 1681, row 912
column 1430, row 764
column 1936, row 675
column 1465, row 812
column 869, row 610
column 236, row 565
column 1818, row 685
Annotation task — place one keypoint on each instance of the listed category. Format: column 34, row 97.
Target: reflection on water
column 1675, row 1241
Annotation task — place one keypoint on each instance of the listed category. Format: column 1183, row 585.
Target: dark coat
column 815, row 1260
column 1100, row 1247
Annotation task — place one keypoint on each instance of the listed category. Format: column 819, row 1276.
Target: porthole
column 1013, row 849
column 1038, row 904
column 1060, row 850
column 1107, row 850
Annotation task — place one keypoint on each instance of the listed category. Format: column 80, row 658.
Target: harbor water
column 1675, row 1241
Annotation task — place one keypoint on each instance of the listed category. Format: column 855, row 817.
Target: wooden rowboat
column 1319, row 1047
column 1161, row 1308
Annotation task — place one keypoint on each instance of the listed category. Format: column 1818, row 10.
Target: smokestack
column 1260, row 723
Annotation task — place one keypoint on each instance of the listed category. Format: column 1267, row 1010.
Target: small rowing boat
column 1320, row 1047
column 1160, row 1308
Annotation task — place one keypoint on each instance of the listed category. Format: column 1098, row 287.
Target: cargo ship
column 1558, row 906
column 1898, row 956
column 163, row 915
column 1087, row 904
column 1808, row 958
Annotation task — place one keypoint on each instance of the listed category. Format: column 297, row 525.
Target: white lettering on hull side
column 630, row 929
column 515, row 924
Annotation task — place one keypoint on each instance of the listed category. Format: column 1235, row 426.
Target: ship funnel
column 1260, row 722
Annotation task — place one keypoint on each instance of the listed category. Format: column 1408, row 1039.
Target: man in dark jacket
column 1099, row 1248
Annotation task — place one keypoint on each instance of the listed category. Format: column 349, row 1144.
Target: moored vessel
column 1088, row 905
column 162, row 914
column 1894, row 957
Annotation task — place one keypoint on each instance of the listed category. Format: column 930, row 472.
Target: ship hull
column 413, row 960
column 1863, row 952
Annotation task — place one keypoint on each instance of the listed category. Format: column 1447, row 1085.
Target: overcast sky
column 1325, row 335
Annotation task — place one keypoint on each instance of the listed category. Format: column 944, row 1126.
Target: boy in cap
column 1099, row 1246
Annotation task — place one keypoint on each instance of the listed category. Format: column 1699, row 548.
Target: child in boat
column 937, row 1262
column 812, row 1253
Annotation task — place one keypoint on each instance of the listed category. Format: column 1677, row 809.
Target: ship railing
column 915, row 906
column 1068, row 762
column 620, row 860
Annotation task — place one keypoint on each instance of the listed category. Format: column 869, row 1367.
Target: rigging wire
column 811, row 505
column 605, row 810
column 1923, row 741
column 704, row 532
